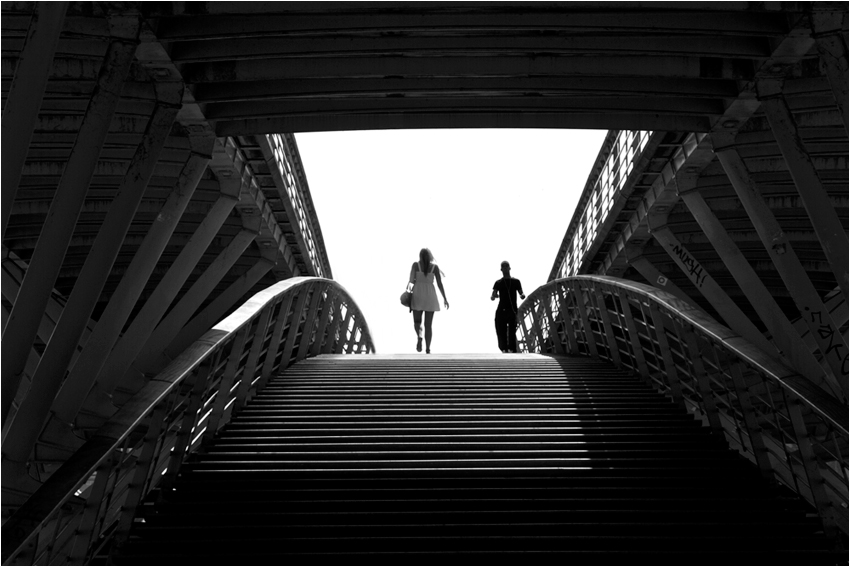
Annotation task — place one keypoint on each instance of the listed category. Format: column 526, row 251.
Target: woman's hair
column 425, row 257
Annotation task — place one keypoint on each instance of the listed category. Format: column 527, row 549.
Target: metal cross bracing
column 151, row 180
column 129, row 228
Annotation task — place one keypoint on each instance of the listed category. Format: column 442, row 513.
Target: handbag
column 405, row 298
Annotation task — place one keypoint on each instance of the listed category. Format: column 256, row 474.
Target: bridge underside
column 151, row 180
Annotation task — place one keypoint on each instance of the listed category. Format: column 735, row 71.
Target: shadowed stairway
column 469, row 459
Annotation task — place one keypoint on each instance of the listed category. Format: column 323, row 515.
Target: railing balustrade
column 86, row 508
column 794, row 433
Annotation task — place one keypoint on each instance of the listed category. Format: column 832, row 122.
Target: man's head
column 506, row 268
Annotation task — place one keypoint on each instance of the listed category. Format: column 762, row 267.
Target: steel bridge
column 152, row 184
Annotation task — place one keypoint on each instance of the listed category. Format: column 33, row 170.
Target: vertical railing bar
column 344, row 329
column 700, row 377
column 814, row 478
column 321, row 331
column 560, row 291
column 191, row 417
column 253, row 356
column 634, row 339
column 588, row 331
column 274, row 343
column 309, row 324
column 754, row 430
column 613, row 348
column 670, row 370
column 141, row 471
column 226, row 383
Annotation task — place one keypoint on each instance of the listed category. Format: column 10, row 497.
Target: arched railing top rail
column 86, row 508
column 796, row 434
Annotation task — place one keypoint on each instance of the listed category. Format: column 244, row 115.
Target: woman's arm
column 412, row 279
column 440, row 285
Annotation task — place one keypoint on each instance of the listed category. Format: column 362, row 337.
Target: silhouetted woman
column 422, row 276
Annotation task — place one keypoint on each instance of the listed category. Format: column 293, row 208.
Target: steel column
column 783, row 333
column 217, row 308
column 66, row 336
column 706, row 285
column 812, row 193
column 136, row 336
column 151, row 358
column 23, row 102
column 108, row 329
column 804, row 294
column 46, row 260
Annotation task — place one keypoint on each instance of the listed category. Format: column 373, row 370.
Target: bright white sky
column 474, row 197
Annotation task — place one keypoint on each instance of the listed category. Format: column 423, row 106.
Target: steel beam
column 124, row 298
column 25, row 95
column 132, row 341
column 805, row 296
column 47, row 258
column 823, row 216
column 218, row 307
column 708, row 287
column 653, row 275
column 150, row 359
column 781, row 330
column 87, row 289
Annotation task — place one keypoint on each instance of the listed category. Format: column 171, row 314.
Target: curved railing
column 86, row 508
column 790, row 429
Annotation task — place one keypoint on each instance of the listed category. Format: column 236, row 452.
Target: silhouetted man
column 506, row 289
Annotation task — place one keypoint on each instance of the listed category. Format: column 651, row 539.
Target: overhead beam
column 23, row 101
column 329, row 45
column 271, row 69
column 471, row 119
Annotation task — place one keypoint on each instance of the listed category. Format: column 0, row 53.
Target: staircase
column 482, row 459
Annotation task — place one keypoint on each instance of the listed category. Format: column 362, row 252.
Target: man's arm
column 495, row 293
column 521, row 294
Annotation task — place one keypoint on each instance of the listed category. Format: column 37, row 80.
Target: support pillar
column 117, row 312
column 128, row 347
column 218, row 308
column 805, row 296
column 784, row 335
column 61, row 219
column 812, row 193
column 67, row 334
column 25, row 95
column 150, row 358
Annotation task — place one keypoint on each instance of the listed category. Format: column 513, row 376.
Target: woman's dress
column 424, row 293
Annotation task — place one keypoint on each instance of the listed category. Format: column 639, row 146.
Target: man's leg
column 511, row 331
column 501, row 330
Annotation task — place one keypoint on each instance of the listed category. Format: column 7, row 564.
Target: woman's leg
column 429, row 318
column 417, row 326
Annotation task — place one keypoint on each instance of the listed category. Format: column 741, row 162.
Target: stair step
column 480, row 459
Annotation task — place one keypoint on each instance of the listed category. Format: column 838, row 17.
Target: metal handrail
column 86, row 508
column 796, row 434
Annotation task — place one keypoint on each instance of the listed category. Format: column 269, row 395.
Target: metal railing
column 610, row 184
column 792, row 431
column 86, row 508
